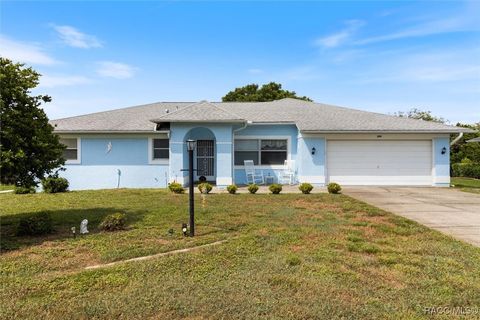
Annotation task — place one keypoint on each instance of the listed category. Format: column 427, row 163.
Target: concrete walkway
column 448, row 210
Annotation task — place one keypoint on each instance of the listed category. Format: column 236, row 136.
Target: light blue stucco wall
column 275, row 131
column 441, row 162
column 222, row 133
column 100, row 168
column 311, row 167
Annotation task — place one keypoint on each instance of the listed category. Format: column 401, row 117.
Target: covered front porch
column 212, row 156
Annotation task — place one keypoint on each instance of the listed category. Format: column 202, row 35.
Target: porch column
column 223, row 135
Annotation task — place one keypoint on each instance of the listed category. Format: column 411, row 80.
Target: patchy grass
column 466, row 184
column 288, row 256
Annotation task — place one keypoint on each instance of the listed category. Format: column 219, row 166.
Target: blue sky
column 376, row 56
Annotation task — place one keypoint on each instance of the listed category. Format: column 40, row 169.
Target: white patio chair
column 252, row 175
column 288, row 173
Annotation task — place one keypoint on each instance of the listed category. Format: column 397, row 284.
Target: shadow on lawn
column 63, row 221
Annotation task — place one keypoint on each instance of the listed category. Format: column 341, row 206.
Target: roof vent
column 167, row 111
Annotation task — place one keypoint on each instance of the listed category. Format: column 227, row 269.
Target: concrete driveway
column 447, row 210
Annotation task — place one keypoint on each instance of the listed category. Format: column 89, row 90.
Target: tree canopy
column 267, row 92
column 420, row 114
column 29, row 148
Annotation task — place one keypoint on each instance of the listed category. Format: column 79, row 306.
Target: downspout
column 460, row 135
column 245, row 124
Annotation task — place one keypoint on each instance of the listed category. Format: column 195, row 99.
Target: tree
column 268, row 92
column 29, row 148
column 420, row 114
column 462, row 149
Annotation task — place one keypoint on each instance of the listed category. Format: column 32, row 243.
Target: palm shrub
column 232, row 189
column 252, row 188
column 305, row 187
column 334, row 187
column 176, row 187
column 275, row 188
column 205, row 187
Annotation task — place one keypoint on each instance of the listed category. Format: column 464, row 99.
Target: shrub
column 55, row 184
column 38, row 224
column 334, row 187
column 176, row 187
column 275, row 188
column 23, row 190
column 205, row 187
column 466, row 169
column 306, row 188
column 252, row 188
column 113, row 222
column 232, row 189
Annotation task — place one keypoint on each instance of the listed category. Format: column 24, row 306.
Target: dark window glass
column 277, row 157
column 160, row 153
column 241, row 156
column 160, row 143
column 70, row 154
column 161, row 149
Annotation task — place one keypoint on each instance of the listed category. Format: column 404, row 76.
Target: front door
column 205, row 153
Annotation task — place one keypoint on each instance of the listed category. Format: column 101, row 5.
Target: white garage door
column 371, row 162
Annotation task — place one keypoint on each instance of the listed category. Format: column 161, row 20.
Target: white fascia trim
column 150, row 154
column 79, row 152
column 272, row 167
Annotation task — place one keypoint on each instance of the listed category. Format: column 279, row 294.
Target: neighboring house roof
column 474, row 140
column 307, row 116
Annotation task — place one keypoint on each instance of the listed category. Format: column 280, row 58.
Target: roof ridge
column 224, row 110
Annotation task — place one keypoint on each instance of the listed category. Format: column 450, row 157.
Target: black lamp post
column 190, row 147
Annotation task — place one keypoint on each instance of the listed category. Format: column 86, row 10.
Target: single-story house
column 144, row 146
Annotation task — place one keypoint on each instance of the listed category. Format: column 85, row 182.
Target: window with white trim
column 261, row 151
column 71, row 151
column 160, row 149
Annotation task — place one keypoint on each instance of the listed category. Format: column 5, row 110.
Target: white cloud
column 24, row 52
column 115, row 70
column 465, row 20
column 47, row 81
column 338, row 38
column 74, row 38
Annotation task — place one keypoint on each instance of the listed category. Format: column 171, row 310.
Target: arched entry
column 204, row 154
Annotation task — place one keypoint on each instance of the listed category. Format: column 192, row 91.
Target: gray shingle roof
column 308, row 116
column 202, row 111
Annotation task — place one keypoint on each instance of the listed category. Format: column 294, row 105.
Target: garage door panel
column 370, row 162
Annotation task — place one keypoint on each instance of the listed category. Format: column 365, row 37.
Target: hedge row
column 471, row 170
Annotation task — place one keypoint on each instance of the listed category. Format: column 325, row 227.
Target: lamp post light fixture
column 190, row 147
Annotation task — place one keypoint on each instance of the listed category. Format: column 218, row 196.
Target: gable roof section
column 202, row 111
column 307, row 116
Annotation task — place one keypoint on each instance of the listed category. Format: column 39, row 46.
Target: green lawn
column 466, row 184
column 294, row 256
